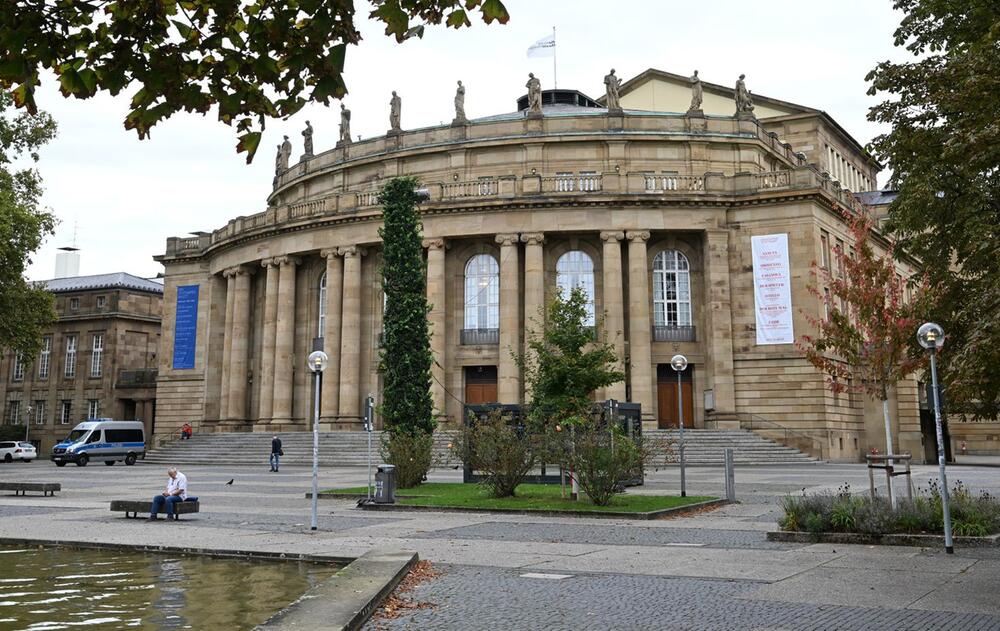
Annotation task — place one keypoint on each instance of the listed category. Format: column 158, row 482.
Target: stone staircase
column 349, row 449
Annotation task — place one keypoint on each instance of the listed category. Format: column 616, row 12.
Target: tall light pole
column 317, row 364
column 679, row 363
column 931, row 337
column 27, row 421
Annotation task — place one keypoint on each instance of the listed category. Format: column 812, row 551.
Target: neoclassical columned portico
column 350, row 337
column 508, row 372
column 330, row 397
column 437, row 319
column 266, row 381
column 640, row 351
column 614, row 315
column 239, row 325
column 284, row 340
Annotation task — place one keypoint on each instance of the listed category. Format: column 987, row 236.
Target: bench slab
column 19, row 488
column 133, row 508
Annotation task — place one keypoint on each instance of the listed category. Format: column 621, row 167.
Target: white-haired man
column 176, row 491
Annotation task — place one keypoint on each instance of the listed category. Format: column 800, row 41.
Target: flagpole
column 555, row 77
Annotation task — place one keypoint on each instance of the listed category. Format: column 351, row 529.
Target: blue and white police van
column 102, row 439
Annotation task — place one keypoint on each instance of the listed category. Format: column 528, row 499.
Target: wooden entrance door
column 480, row 384
column 666, row 396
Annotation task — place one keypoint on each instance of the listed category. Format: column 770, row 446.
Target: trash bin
column 385, row 484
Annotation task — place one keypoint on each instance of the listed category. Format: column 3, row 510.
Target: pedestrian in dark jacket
column 276, row 453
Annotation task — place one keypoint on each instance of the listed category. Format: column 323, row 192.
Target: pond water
column 65, row 588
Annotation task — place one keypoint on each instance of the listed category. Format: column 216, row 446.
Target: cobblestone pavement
column 471, row 598
column 617, row 535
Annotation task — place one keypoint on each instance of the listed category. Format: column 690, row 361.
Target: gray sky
column 123, row 197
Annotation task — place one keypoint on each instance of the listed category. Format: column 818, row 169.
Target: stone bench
column 19, row 488
column 132, row 508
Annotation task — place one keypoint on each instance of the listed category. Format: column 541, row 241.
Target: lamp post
column 27, row 422
column 317, row 364
column 931, row 337
column 679, row 363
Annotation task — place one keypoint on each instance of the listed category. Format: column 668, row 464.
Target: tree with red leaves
column 866, row 333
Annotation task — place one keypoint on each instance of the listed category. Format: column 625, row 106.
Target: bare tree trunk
column 888, row 446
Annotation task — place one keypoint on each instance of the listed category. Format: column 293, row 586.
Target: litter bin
column 385, row 484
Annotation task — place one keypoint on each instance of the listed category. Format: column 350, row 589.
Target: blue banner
column 185, row 326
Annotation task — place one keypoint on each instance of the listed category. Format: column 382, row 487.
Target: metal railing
column 479, row 336
column 673, row 333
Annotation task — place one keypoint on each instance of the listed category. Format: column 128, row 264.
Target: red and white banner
column 772, row 289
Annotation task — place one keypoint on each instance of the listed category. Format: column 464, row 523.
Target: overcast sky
column 122, row 197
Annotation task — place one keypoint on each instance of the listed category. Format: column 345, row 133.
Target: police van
column 102, row 439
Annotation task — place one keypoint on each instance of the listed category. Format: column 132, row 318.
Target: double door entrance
column 480, row 385
column 667, row 411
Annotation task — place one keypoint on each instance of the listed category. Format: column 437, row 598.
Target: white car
column 17, row 450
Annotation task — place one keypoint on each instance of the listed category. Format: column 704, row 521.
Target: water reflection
column 62, row 588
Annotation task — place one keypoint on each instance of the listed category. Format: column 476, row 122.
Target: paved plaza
column 715, row 570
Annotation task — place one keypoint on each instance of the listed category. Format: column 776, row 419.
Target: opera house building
column 693, row 230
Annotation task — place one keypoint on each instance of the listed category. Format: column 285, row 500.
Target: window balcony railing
column 673, row 333
column 480, row 336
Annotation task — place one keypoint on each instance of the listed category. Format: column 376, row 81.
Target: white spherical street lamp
column 317, row 363
column 931, row 337
column 679, row 363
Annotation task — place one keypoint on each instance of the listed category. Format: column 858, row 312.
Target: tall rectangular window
column 44, row 358
column 102, row 302
column 69, row 370
column 40, row 412
column 97, row 356
column 65, row 410
column 837, row 254
column 93, row 408
column 824, row 246
column 18, row 372
column 13, row 412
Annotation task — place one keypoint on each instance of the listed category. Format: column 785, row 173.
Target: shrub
column 603, row 459
column 500, row 450
column 410, row 452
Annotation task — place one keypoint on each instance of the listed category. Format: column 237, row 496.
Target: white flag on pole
column 545, row 47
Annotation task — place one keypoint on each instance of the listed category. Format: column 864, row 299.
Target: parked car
column 12, row 450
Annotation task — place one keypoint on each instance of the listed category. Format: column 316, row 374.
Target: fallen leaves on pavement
column 397, row 604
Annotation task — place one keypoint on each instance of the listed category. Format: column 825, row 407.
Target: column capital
column 637, row 235
column 507, row 239
column 613, row 235
column 285, row 260
column 433, row 244
column 329, row 253
column 533, row 238
column 266, row 263
column 351, row 251
column 237, row 270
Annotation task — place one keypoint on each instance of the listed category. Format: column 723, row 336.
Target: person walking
column 176, row 491
column 276, row 452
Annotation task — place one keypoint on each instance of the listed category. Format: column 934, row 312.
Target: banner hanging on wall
column 772, row 289
column 185, row 327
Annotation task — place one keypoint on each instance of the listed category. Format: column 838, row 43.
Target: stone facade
column 98, row 360
column 576, row 196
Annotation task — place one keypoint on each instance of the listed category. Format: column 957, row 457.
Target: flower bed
column 972, row 515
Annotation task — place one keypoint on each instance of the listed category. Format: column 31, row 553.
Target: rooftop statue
column 395, row 105
column 345, row 124
column 611, row 86
column 307, row 140
column 744, row 104
column 534, row 94
column 460, row 104
column 696, row 93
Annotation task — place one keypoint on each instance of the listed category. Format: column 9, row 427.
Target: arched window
column 576, row 269
column 322, row 305
column 671, row 289
column 482, row 293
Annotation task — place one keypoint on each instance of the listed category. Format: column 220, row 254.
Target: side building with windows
column 97, row 361
column 652, row 210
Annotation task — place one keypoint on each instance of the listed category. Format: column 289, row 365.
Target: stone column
column 534, row 295
column 265, row 383
column 227, row 345
column 350, row 335
column 240, row 345
column 718, row 312
column 330, row 395
column 509, row 379
column 436, row 282
column 614, row 313
column 284, row 340
column 639, row 332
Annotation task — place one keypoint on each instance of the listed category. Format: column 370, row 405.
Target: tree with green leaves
column 865, row 336
column 405, row 357
column 944, row 152
column 25, row 310
column 249, row 60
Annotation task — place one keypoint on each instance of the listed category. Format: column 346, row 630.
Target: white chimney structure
column 67, row 262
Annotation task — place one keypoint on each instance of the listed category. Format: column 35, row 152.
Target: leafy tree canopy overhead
column 24, row 309
column 250, row 59
column 944, row 153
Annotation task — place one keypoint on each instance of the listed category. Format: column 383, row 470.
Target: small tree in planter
column 405, row 357
column 868, row 328
column 502, row 451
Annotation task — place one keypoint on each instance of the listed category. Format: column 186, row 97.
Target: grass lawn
column 542, row 497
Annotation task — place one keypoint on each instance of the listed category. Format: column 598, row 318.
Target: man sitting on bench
column 176, row 492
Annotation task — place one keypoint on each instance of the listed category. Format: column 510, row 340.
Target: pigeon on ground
column 230, row 483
